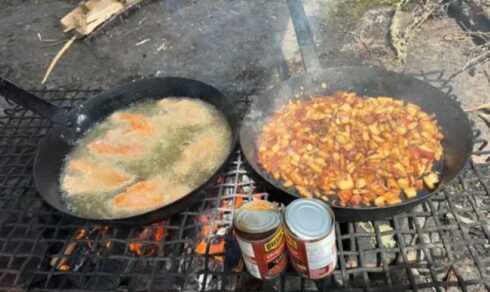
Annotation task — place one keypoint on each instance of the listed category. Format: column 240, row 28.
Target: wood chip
column 143, row 42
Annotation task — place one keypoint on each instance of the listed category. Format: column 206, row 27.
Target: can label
column 312, row 259
column 266, row 258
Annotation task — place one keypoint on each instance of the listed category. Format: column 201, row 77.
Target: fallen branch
column 478, row 54
column 400, row 34
column 57, row 58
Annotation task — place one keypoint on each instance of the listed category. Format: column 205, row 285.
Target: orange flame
column 214, row 248
column 238, row 202
column 154, row 232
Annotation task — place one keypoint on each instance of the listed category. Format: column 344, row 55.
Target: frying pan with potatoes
column 368, row 142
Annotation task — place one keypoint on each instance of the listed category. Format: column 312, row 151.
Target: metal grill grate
column 442, row 244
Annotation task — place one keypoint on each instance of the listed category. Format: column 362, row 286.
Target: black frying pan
column 72, row 125
column 367, row 81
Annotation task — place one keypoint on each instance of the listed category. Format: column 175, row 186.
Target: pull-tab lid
column 257, row 217
column 308, row 219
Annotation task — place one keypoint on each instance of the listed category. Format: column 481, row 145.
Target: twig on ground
column 485, row 119
column 479, row 54
column 142, row 42
column 48, row 40
column 477, row 108
column 57, row 58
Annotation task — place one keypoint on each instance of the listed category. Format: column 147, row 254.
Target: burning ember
column 208, row 233
column 217, row 245
column 155, row 232
column 92, row 246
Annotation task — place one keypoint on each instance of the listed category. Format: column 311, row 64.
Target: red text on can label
column 266, row 258
column 312, row 259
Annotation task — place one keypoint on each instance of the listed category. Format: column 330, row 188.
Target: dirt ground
column 241, row 47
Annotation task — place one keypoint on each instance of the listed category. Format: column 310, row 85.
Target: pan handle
column 30, row 101
column 304, row 35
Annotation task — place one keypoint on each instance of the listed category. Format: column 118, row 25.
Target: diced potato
column 349, row 146
column 296, row 178
column 276, row 175
column 393, row 200
column 315, row 167
column 385, row 99
column 374, row 129
column 360, row 183
column 365, row 136
column 403, row 183
column 342, row 139
column 351, row 167
column 401, row 130
column 303, row 191
column 379, row 201
column 431, row 180
column 410, row 192
column 392, row 183
column 377, row 138
column 412, row 126
column 346, row 183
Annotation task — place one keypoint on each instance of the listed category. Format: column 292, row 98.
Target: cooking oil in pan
column 144, row 157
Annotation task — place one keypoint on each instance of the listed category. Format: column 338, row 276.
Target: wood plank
column 89, row 15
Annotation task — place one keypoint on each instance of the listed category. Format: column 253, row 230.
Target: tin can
column 260, row 235
column 310, row 238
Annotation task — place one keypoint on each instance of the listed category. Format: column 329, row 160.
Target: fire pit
column 441, row 244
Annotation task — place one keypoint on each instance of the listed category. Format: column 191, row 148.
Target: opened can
column 261, row 238
column 310, row 237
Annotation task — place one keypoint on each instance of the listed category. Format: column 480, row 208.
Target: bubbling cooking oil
column 174, row 145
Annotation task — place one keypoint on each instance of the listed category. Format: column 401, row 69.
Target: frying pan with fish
column 70, row 126
column 365, row 81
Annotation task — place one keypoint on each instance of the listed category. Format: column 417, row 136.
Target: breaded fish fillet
column 147, row 195
column 86, row 176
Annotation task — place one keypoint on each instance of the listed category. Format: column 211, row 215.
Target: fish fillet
column 102, row 147
column 147, row 195
column 195, row 110
column 137, row 123
column 201, row 153
column 86, row 176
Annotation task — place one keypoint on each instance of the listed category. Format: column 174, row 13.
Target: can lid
column 257, row 217
column 308, row 218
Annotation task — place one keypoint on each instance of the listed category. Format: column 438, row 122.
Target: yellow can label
column 275, row 241
column 291, row 242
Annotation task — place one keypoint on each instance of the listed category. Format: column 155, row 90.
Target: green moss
column 356, row 8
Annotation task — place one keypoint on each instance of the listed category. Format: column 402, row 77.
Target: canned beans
column 307, row 228
column 260, row 235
